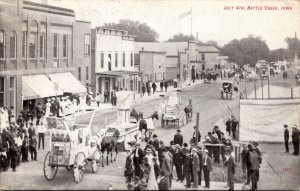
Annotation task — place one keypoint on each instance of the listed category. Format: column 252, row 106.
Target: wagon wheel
column 49, row 170
column 96, row 161
column 79, row 167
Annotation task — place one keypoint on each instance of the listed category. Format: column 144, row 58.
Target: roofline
column 82, row 21
column 106, row 28
column 148, row 51
column 48, row 6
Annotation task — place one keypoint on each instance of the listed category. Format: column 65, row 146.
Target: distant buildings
column 113, row 61
column 180, row 56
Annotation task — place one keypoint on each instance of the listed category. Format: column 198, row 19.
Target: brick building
column 36, row 52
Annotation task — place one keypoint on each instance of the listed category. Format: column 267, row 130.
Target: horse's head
column 155, row 115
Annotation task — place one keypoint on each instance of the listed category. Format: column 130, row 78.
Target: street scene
column 117, row 101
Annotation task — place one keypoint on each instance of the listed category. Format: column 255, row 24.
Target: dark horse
column 188, row 111
column 143, row 123
column 109, row 143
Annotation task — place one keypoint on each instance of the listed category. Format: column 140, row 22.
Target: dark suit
column 286, row 139
column 200, row 155
column 207, row 168
column 178, row 160
column 187, row 169
column 128, row 168
column 156, row 144
column 195, row 169
column 230, row 172
column 234, row 125
column 295, row 140
column 137, row 162
column 163, row 184
column 178, row 139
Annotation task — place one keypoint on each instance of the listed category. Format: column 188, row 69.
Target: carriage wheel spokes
column 49, row 170
column 79, row 167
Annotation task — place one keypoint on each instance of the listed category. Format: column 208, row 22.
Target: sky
column 209, row 19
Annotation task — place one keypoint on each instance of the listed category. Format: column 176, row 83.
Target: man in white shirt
column 41, row 132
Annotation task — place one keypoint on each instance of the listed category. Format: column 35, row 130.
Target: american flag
column 186, row 13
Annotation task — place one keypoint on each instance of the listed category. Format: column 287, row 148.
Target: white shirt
column 41, row 128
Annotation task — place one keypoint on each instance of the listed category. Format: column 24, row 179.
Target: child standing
column 32, row 147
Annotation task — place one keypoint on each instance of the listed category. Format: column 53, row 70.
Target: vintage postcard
column 149, row 95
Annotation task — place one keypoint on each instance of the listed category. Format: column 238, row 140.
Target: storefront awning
column 38, row 86
column 67, row 83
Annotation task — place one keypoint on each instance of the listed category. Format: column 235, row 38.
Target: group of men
column 189, row 161
column 152, row 87
column 232, row 125
column 295, row 139
column 112, row 95
column 18, row 137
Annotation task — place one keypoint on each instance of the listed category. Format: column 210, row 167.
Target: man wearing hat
column 200, row 155
column 286, row 138
column 207, row 168
column 178, row 138
column 195, row 166
column 178, row 156
column 230, row 164
column 295, row 139
column 138, row 156
column 155, row 142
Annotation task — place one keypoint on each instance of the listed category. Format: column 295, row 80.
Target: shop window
column 100, row 85
column 13, row 45
column 2, row 44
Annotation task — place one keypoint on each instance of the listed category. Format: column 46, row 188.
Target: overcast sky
column 210, row 19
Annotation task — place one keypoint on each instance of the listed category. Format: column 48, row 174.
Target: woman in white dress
column 48, row 106
column 152, row 184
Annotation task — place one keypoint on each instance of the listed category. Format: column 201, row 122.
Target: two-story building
column 113, row 61
column 152, row 65
column 209, row 57
column 36, row 52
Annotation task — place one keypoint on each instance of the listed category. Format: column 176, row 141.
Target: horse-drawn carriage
column 173, row 112
column 72, row 146
column 226, row 89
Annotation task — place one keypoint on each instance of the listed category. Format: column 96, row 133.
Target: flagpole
column 191, row 22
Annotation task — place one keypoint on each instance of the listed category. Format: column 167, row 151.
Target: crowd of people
column 152, row 167
column 21, row 137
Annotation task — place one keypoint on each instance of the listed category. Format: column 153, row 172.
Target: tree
column 246, row 51
column 181, row 38
column 293, row 45
column 280, row 54
column 142, row 31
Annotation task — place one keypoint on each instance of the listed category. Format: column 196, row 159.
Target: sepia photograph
column 149, row 95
